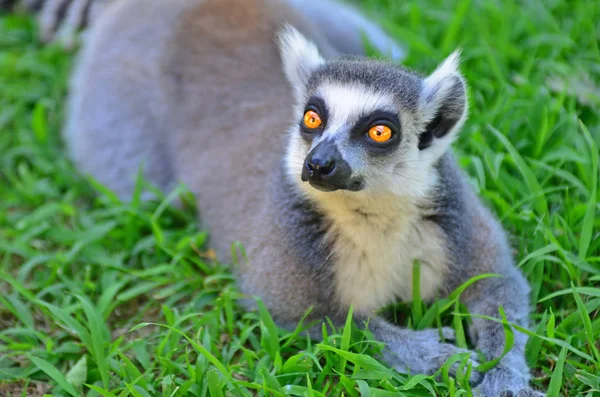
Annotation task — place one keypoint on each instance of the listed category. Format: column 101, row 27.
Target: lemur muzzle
column 325, row 169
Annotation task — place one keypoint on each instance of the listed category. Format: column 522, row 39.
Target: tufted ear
column 443, row 106
column 300, row 57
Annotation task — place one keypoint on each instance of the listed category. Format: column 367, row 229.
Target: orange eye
column 312, row 120
column 380, row 133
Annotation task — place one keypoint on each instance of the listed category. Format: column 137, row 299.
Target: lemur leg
column 420, row 352
column 407, row 351
column 511, row 376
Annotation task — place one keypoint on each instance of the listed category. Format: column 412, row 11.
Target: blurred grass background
column 79, row 269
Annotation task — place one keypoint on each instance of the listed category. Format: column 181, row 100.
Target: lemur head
column 368, row 125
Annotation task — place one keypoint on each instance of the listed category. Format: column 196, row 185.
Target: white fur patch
column 299, row 56
column 375, row 243
column 448, row 67
column 435, row 90
column 347, row 103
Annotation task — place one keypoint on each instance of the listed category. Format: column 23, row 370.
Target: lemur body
column 329, row 216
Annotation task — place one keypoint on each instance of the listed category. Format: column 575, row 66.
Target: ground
column 98, row 297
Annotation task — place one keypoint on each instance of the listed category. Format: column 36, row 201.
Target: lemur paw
column 424, row 352
column 506, row 382
column 448, row 334
column 522, row 393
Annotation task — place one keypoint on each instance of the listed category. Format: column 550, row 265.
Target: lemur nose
column 325, row 169
column 321, row 167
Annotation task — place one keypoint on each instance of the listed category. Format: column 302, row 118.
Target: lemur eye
column 380, row 133
column 312, row 120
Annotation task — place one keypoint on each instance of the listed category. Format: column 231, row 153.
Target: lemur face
column 366, row 125
column 364, row 137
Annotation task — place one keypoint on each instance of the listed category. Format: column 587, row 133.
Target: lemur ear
column 300, row 56
column 443, row 105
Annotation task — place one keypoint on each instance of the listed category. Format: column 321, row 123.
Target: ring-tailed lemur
column 335, row 179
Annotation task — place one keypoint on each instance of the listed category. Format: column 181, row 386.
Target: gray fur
column 62, row 19
column 478, row 245
column 348, row 40
column 202, row 99
column 379, row 75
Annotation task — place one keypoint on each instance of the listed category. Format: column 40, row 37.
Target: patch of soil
column 15, row 389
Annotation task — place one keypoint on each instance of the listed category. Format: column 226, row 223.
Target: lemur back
column 332, row 170
column 199, row 98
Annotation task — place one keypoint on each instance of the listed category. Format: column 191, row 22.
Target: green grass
column 98, row 297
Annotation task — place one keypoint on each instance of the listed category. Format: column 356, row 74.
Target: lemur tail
column 346, row 28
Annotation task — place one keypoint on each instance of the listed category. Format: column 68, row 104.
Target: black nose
column 326, row 169
column 319, row 167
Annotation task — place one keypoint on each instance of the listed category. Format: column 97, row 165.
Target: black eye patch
column 317, row 105
column 379, row 117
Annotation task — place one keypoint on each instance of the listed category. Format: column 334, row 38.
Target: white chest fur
column 374, row 255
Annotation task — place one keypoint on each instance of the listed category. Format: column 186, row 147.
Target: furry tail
column 345, row 28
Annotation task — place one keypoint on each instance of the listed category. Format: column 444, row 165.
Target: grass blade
column 54, row 374
column 557, row 374
column 98, row 333
column 587, row 325
column 417, row 304
column 587, row 227
column 539, row 198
